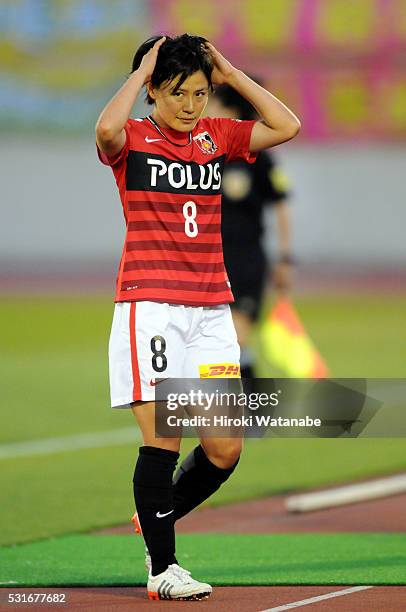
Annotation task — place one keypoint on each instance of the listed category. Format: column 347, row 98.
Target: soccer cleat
column 176, row 583
column 137, row 529
column 136, row 522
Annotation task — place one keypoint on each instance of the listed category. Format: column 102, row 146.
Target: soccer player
column 246, row 191
column 172, row 317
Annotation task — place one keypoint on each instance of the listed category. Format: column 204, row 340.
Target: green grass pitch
column 258, row 559
column 55, row 383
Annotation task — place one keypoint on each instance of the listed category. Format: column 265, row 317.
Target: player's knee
column 225, row 456
column 232, row 453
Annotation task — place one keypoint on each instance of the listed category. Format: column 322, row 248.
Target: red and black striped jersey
column 170, row 189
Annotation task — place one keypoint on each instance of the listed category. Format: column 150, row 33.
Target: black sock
column 153, row 494
column 197, row 479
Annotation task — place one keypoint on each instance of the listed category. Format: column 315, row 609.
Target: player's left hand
column 222, row 69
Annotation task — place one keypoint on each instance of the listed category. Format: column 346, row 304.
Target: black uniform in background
column 247, row 189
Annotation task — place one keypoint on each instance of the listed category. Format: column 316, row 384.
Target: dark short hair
column 180, row 57
column 230, row 98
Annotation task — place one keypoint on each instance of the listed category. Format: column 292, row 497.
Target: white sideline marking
column 348, row 494
column 306, row 602
column 49, row 446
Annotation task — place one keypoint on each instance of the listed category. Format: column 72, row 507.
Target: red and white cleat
column 138, row 530
column 136, row 522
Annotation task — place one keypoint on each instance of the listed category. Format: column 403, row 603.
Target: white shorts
column 152, row 340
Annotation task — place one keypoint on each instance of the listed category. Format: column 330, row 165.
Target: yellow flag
column 286, row 345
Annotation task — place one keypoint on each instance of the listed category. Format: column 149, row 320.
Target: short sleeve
column 271, row 179
column 236, row 136
column 117, row 159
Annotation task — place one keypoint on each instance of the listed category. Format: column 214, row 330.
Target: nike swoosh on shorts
column 153, row 383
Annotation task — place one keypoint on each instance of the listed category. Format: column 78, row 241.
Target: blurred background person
column 247, row 191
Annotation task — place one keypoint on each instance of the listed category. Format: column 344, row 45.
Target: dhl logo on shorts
column 219, row 370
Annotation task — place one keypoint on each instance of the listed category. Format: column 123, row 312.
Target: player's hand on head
column 148, row 62
column 222, row 68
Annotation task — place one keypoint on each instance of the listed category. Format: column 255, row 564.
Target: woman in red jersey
column 172, row 317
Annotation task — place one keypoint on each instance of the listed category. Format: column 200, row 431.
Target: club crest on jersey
column 205, row 143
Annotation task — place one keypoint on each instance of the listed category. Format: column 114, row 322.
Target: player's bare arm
column 278, row 124
column 110, row 134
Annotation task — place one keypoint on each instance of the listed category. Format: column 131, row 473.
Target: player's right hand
column 148, row 62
